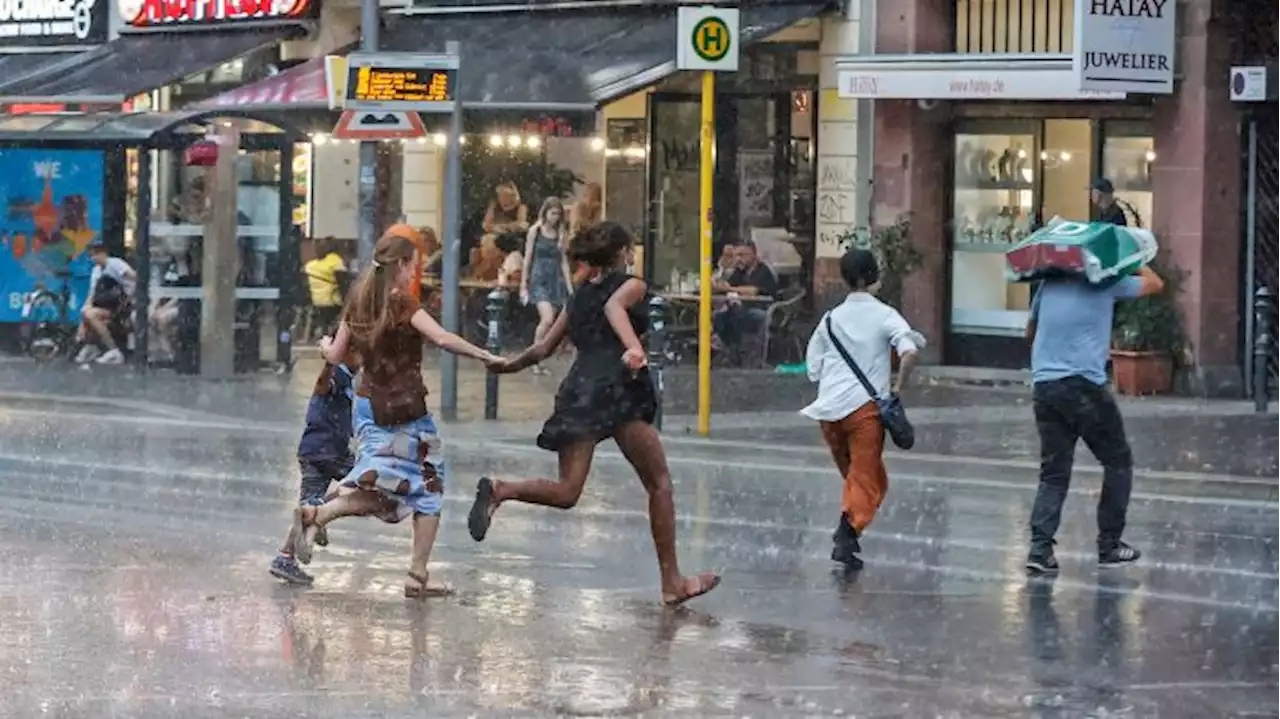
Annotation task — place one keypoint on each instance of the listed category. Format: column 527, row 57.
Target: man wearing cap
column 1103, row 194
column 110, row 286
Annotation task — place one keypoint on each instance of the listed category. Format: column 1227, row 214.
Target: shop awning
column 133, row 64
column 566, row 59
column 118, row 128
column 943, row 76
column 301, row 87
column 16, row 67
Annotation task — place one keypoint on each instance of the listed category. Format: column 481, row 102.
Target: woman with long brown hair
column 399, row 470
column 607, row 394
column 545, row 278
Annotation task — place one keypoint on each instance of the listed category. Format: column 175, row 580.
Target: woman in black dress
column 607, row 394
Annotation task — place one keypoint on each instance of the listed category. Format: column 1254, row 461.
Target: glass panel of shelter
column 180, row 211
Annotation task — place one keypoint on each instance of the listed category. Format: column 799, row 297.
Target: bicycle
column 47, row 329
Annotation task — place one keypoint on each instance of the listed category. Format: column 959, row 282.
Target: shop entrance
column 1008, row 178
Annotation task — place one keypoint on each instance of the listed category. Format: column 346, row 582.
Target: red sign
column 154, row 13
column 548, row 127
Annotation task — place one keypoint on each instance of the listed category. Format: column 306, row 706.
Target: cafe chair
column 780, row 325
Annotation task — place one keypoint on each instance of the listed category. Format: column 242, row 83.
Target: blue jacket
column 328, row 431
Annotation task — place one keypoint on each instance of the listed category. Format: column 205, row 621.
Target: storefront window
column 1128, row 154
column 995, row 183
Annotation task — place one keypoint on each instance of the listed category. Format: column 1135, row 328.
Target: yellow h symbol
column 711, row 38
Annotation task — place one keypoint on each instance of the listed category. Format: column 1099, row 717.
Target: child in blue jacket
column 324, row 454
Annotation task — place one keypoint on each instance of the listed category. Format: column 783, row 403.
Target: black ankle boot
column 846, row 537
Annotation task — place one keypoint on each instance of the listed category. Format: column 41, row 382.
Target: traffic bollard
column 1263, row 339
column 657, row 350
column 494, row 307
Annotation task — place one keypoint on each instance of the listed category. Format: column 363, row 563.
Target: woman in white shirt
column 867, row 329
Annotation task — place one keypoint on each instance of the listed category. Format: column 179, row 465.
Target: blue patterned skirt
column 406, row 458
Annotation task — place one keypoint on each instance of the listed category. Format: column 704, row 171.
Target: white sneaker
column 86, row 354
column 112, row 357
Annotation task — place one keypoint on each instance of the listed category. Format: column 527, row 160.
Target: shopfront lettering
column 860, row 86
column 1128, row 8
column 168, row 12
column 966, row 87
column 45, row 22
column 1127, row 61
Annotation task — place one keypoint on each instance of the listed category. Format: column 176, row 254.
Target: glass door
column 671, row 256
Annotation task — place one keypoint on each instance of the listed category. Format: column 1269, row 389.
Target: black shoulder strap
column 857, row 371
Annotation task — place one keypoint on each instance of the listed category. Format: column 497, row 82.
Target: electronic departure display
column 397, row 87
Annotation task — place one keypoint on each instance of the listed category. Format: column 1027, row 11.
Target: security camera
column 927, row 104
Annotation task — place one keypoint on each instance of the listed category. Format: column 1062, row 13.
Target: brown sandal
column 702, row 584
column 422, row 590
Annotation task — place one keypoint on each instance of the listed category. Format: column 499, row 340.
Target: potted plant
column 1147, row 337
column 892, row 246
column 897, row 257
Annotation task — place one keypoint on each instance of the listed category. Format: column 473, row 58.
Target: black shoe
column 846, row 536
column 1119, row 553
column 478, row 519
column 1042, row 561
column 842, row 555
column 286, row 568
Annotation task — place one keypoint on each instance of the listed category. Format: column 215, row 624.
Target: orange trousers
column 857, row 445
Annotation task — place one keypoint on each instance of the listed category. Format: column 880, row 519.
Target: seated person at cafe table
column 749, row 278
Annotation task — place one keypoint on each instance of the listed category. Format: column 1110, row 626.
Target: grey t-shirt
column 1073, row 328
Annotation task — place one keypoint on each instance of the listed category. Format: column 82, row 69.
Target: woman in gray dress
column 545, row 278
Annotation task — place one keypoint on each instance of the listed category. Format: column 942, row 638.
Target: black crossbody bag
column 892, row 414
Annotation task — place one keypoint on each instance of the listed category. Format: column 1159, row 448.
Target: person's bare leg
column 96, row 318
column 546, row 318
column 640, row 444
column 308, row 520
column 425, row 527
column 562, row 493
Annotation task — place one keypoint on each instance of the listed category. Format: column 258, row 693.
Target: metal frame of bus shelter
column 173, row 131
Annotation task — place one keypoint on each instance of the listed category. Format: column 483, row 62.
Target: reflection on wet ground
column 134, row 585
column 1240, row 445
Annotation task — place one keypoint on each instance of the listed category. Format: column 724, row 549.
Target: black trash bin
column 186, row 349
column 248, row 336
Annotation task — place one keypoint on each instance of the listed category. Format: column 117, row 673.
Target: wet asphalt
column 137, row 533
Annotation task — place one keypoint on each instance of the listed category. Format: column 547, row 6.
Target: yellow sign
column 712, row 39
column 399, row 84
column 335, row 79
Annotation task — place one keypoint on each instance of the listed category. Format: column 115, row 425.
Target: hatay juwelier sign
column 1125, row 45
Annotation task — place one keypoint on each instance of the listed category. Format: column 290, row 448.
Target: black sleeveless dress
column 599, row 394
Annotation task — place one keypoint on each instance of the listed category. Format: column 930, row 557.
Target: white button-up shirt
column 867, row 328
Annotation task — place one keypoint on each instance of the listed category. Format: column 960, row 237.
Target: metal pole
column 657, row 350
column 494, row 306
column 368, row 184
column 290, row 264
column 142, row 294
column 452, row 249
column 1262, row 307
column 1250, row 242
column 706, row 170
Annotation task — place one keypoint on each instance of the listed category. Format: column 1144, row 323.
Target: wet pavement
column 137, row 534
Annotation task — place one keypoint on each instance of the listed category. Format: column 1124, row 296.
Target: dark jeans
column 1066, row 410
column 734, row 321
column 316, row 475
